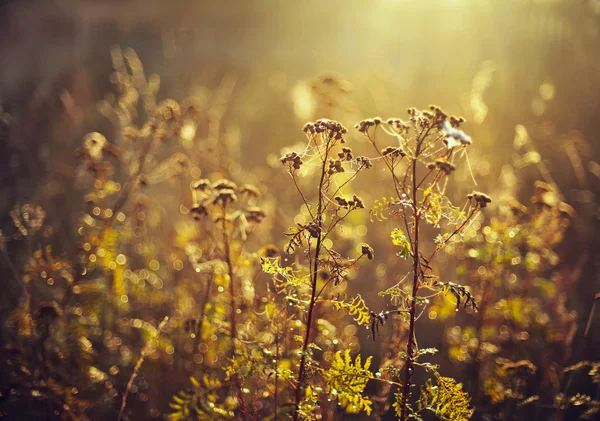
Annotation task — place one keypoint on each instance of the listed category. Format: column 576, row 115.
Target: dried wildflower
column 250, row 190
column 481, row 199
column 329, row 127
column 456, row 121
column 341, row 201
column 335, row 166
column 293, row 159
column 198, row 211
column 224, row 184
column 364, row 125
column 313, row 229
column 356, row 202
column 255, row 214
column 368, row 251
column 225, row 196
column 444, row 165
column 201, row 185
column 346, row 154
column 364, row 161
column 439, row 113
column 393, row 152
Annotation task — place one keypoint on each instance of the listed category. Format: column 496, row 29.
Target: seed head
column 250, row 190
column 480, row 199
column 255, row 214
column 368, row 251
column 225, row 196
column 313, row 229
column 201, row 185
column 224, row 184
column 198, row 211
column 364, row 161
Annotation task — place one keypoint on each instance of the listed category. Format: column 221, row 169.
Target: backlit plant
column 425, row 151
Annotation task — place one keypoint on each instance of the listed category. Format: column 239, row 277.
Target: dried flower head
column 335, row 166
column 368, row 251
column 346, row 154
column 313, row 229
column 254, row 214
column 364, row 162
column 444, row 165
column 198, row 211
column 250, row 190
column 481, row 199
column 330, row 128
column 341, row 201
column 364, row 125
column 225, row 196
column 393, row 152
column 356, row 202
column 224, row 184
column 292, row 159
column 201, row 185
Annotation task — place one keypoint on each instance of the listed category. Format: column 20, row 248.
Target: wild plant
column 588, row 406
column 512, row 264
column 222, row 331
column 327, row 209
column 82, row 308
column 287, row 360
column 425, row 152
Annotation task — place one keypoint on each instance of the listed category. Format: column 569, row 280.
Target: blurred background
column 524, row 73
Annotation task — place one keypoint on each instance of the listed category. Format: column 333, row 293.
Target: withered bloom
column 255, row 214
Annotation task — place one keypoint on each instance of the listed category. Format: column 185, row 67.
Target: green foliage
column 203, row 403
column 446, row 399
column 356, row 307
column 399, row 239
column 380, row 207
column 346, row 381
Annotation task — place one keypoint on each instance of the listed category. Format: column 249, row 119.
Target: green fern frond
column 284, row 275
column 346, row 380
column 446, row 399
column 399, row 239
column 379, row 208
column 356, row 307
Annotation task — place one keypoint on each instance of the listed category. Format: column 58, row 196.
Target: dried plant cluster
column 174, row 272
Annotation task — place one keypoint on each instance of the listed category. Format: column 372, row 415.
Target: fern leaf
column 356, row 308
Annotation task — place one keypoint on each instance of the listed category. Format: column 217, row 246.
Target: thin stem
column 203, row 313
column 276, row 369
column 233, row 330
column 397, row 183
column 314, row 276
column 227, row 256
column 138, row 365
column 408, row 365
